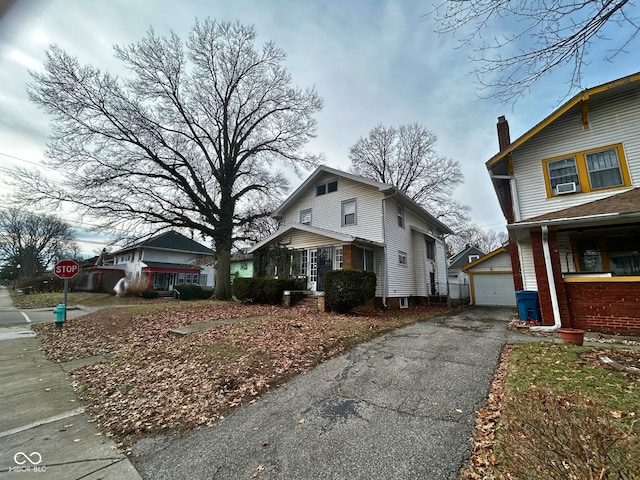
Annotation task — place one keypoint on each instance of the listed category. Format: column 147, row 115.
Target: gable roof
column 609, row 88
column 461, row 258
column 385, row 188
column 619, row 206
column 173, row 241
column 486, row 257
column 341, row 237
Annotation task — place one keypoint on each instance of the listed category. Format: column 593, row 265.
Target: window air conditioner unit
column 566, row 188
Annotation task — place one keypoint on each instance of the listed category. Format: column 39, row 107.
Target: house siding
column 326, row 210
column 528, row 268
column 610, row 122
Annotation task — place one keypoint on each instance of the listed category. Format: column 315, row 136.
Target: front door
column 324, row 264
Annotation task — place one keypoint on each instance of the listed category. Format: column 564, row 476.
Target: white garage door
column 494, row 289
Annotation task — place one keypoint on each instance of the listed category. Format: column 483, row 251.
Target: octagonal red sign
column 66, row 268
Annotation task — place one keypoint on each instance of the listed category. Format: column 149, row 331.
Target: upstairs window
column 400, row 216
column 402, row 258
column 586, row 171
column 431, row 249
column 305, row 216
column 348, row 212
column 326, row 187
column 563, row 172
column 604, row 169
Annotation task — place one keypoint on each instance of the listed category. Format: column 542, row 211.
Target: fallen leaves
column 153, row 381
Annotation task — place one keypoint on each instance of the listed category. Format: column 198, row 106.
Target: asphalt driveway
column 399, row 407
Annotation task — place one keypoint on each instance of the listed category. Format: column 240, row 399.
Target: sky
column 372, row 61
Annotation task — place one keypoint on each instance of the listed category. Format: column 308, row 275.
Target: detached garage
column 491, row 279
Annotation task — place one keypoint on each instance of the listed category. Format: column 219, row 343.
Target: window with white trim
column 305, row 216
column 431, row 248
column 404, row 302
column 338, row 260
column 326, row 187
column 400, row 216
column 349, row 212
column 402, row 258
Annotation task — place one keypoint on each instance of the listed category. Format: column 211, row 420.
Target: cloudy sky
column 372, row 61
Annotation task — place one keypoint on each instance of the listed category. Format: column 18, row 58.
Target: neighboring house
column 241, row 265
column 338, row 220
column 166, row 260
column 459, row 290
column 491, row 279
column 567, row 188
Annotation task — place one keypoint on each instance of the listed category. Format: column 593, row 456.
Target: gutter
column 557, row 323
column 572, row 220
column 385, row 283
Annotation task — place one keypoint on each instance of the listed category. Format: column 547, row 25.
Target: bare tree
column 405, row 157
column 548, row 34
column 192, row 137
column 473, row 234
column 33, row 241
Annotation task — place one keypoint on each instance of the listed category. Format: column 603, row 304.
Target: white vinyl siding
column 612, row 122
column 527, row 267
column 327, row 209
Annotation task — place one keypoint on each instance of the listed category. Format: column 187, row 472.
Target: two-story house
column 567, row 188
column 459, row 287
column 338, row 220
column 166, row 260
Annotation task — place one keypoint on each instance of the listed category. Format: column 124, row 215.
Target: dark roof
column 622, row 203
column 172, row 240
column 177, row 266
column 461, row 258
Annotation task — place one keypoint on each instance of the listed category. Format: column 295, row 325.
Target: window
column 473, row 258
column 203, row 279
column 181, row 279
column 338, row 258
column 313, row 260
column 404, row 302
column 431, row 248
column 188, row 280
column 400, row 216
column 327, row 187
column 305, row 216
column 348, row 212
column 402, row 258
column 364, row 259
column 195, row 279
column 561, row 172
column 595, row 169
column 618, row 253
column 604, row 169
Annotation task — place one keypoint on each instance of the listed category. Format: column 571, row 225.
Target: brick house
column 567, row 189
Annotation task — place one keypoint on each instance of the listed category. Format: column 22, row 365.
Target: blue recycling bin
column 528, row 305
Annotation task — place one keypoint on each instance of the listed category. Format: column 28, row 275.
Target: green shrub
column 149, row 294
column 261, row 290
column 346, row 289
column 192, row 292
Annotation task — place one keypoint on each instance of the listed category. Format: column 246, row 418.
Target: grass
column 52, row 299
column 565, row 415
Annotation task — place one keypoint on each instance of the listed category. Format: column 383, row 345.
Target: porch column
column 544, row 295
column 349, row 257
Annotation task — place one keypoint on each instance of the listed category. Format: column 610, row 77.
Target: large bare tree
column 191, row 138
column 33, row 241
column 517, row 42
column 405, row 157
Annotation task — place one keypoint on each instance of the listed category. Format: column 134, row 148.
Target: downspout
column 385, row 283
column 552, row 285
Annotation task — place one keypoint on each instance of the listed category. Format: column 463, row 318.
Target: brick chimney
column 504, row 139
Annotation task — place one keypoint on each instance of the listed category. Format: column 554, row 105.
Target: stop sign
column 66, row 268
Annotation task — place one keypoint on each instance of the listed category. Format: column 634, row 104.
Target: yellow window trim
column 583, row 174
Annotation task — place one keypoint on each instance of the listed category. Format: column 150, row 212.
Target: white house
column 568, row 189
column 338, row 220
column 166, row 260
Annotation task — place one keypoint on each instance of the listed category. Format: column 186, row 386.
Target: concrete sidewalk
column 44, row 433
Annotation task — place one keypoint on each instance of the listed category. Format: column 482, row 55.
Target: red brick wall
column 349, row 256
column 515, row 265
column 605, row 306
column 544, row 295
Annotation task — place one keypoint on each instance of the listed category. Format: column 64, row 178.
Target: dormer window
column 326, row 187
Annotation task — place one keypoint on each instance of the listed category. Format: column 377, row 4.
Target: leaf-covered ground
column 157, row 381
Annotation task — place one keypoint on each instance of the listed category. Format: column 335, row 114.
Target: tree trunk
column 222, row 289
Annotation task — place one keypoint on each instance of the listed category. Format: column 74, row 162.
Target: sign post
column 66, row 269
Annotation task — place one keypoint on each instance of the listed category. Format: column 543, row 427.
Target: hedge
column 191, row 292
column 262, row 290
column 346, row 289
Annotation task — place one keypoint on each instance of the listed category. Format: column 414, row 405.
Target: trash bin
column 528, row 305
